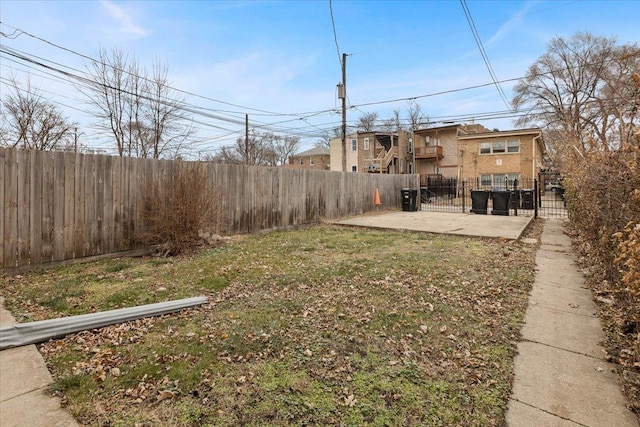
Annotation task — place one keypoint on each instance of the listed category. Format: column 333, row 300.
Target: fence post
column 536, row 198
column 516, row 195
column 464, row 196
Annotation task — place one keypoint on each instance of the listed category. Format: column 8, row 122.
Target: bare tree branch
column 142, row 112
column 30, row 121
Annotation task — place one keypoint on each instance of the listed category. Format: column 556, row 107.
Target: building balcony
column 430, row 152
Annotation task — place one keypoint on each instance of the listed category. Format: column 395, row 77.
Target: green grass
column 319, row 326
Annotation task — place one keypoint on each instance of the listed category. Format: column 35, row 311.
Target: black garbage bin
column 409, row 196
column 479, row 201
column 514, row 199
column 527, row 199
column 500, row 200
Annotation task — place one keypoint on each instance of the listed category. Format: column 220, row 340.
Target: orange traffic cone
column 376, row 198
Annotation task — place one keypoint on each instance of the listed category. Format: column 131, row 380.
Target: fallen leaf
column 350, row 401
column 165, row 394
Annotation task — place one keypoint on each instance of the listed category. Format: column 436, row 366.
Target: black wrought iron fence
column 506, row 197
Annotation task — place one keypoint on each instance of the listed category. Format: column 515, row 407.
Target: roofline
column 530, row 131
column 310, row 152
column 455, row 125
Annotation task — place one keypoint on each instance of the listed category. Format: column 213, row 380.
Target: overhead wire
column 277, row 126
column 94, row 60
column 291, row 130
column 335, row 34
column 189, row 107
column 483, row 53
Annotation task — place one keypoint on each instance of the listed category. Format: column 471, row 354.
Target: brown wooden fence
column 58, row 206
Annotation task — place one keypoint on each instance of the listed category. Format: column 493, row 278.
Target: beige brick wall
column 525, row 163
column 320, row 162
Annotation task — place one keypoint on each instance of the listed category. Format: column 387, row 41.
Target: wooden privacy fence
column 57, row 206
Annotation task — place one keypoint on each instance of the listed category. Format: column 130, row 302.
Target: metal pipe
column 21, row 334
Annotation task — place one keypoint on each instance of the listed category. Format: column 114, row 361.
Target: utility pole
column 343, row 94
column 246, row 139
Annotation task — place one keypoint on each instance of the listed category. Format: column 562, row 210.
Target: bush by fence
column 603, row 197
column 57, row 206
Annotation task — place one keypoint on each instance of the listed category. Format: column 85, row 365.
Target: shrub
column 603, row 198
column 178, row 212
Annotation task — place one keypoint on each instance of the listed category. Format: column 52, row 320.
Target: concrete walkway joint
column 561, row 375
column 24, row 378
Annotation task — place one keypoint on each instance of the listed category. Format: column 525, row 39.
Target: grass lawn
column 324, row 325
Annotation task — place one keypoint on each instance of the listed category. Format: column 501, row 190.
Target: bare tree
column 367, row 122
column 142, row 112
column 394, row 123
column 326, row 137
column 265, row 149
column 283, row 147
column 31, row 121
column 582, row 88
column 417, row 119
column 258, row 150
column 170, row 127
column 113, row 94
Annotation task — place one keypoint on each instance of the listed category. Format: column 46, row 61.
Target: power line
column 89, row 58
column 483, row 53
column 335, row 35
column 443, row 35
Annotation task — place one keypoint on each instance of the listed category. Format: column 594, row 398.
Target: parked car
column 554, row 186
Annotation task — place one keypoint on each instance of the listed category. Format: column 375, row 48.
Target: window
column 354, row 145
column 354, row 169
column 511, row 177
column 499, row 180
column 366, row 144
column 427, row 140
column 301, row 161
column 311, row 161
column 498, row 147
column 410, row 145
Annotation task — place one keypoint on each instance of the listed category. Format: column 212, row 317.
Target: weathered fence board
column 35, row 208
column 11, row 210
column 24, row 179
column 2, row 201
column 69, row 205
column 57, row 206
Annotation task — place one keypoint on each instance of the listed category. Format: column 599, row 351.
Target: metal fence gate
column 531, row 197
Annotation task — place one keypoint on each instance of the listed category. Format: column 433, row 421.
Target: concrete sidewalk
column 460, row 224
column 561, row 376
column 23, row 380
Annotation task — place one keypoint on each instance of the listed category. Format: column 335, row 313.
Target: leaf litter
column 323, row 325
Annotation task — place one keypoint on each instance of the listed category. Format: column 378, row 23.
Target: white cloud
column 256, row 78
column 124, row 20
column 514, row 23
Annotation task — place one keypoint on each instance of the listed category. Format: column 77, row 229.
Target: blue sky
column 281, row 56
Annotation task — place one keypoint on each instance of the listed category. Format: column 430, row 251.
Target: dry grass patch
column 320, row 326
